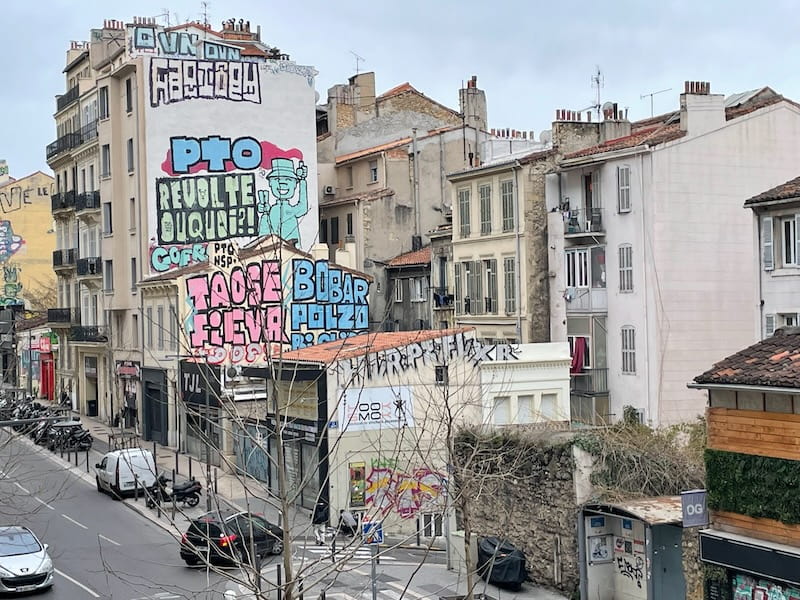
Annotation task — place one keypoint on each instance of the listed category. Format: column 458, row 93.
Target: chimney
column 472, row 104
column 701, row 111
column 614, row 125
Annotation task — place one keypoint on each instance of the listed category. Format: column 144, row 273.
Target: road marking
column 43, row 503
column 68, row 518
column 401, row 589
column 108, row 539
column 78, row 583
column 22, row 488
column 360, row 554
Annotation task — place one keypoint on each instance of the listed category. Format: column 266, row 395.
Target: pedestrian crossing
column 360, row 554
column 383, row 594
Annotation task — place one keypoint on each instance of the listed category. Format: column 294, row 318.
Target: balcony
column 442, row 299
column 62, row 201
column 90, row 267
column 95, row 334
column 583, row 222
column 589, row 382
column 62, row 144
column 88, row 133
column 64, row 100
column 64, row 259
column 62, row 318
column 88, row 201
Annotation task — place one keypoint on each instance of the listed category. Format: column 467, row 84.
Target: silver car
column 25, row 565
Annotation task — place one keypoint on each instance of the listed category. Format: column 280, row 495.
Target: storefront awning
column 750, row 555
column 663, row 510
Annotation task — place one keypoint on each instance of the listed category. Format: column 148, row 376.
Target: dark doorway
column 155, row 401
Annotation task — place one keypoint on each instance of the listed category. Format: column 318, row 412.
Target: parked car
column 25, row 565
column 120, row 470
column 224, row 536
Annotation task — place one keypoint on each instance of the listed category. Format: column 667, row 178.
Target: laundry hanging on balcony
column 578, row 352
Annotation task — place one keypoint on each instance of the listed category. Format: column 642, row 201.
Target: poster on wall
column 376, row 408
column 231, row 145
column 600, row 549
column 358, row 484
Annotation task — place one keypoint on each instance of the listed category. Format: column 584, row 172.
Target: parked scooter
column 187, row 492
column 69, row 435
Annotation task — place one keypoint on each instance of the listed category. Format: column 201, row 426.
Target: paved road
column 100, row 548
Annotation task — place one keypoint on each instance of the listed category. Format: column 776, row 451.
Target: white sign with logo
column 376, row 408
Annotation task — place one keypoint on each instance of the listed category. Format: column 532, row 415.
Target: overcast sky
column 530, row 57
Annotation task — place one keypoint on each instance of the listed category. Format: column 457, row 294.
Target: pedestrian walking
column 319, row 519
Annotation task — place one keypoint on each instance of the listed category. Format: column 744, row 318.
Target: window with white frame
column 510, row 283
column 129, row 154
column 507, row 204
column 767, row 244
column 457, row 289
column 524, row 409
column 108, row 224
column 789, row 241
column 418, row 289
column 625, row 268
column 373, row 171
column 548, row 407
column 787, row 320
column 623, row 189
column 577, row 264
column 108, row 276
column 628, row 350
column 485, row 194
column 501, row 410
column 463, row 212
column 398, row 290
column 103, row 94
column 490, row 268
column 582, row 343
column 105, row 161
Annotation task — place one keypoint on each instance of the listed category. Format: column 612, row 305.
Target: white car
column 25, row 565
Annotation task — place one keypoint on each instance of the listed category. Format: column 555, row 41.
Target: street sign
column 372, row 532
column 694, row 508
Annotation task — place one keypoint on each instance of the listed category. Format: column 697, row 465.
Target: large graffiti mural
column 389, row 489
column 10, row 243
column 236, row 138
column 244, row 312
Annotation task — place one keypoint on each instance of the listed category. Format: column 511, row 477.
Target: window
column 349, row 175
column 134, row 274
column 473, row 302
column 500, row 410
column 108, row 276
column 547, row 407
column 323, row 231
column 418, row 289
column 335, row 230
column 457, row 288
column 132, row 215
column 524, row 409
column 108, row 227
column 625, row 268
column 398, row 290
column 787, row 320
column 149, row 320
column 463, row 212
column 105, row 161
column 91, row 178
column 128, row 95
column 373, row 171
column 577, row 263
column 507, row 201
column 103, row 93
column 598, row 266
column 160, row 327
column 173, row 329
column 581, row 343
column 490, row 268
column 789, row 241
column 135, row 330
column 623, row 189
column 349, row 225
column 442, row 377
column 510, row 283
column 431, row 525
column 628, row 350
column 767, row 252
column 130, row 155
column 485, row 193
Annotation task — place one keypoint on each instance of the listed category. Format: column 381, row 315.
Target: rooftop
column 650, row 136
column 773, row 362
column 415, row 257
column 784, row 191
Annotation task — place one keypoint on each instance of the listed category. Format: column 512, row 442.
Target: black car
column 224, row 536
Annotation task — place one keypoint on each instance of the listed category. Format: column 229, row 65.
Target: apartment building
column 168, row 139
column 383, row 165
column 649, row 274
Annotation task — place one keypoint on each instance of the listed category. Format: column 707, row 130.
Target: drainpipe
column 645, row 288
column 518, row 274
column 415, row 182
column 759, row 271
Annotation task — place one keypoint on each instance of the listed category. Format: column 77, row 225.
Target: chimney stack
column 701, row 111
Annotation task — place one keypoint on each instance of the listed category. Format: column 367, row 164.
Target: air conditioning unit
column 329, row 190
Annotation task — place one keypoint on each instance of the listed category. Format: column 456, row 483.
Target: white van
column 118, row 471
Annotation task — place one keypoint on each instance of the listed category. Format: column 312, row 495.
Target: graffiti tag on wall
column 12, row 288
column 180, row 44
column 14, row 197
column 393, row 490
column 632, row 568
column 10, row 243
column 177, row 80
column 429, row 352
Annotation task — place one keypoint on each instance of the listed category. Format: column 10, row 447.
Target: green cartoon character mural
column 280, row 214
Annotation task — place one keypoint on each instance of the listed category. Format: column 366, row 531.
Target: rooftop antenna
column 650, row 95
column 359, row 59
column 597, row 84
column 164, row 15
column 205, row 17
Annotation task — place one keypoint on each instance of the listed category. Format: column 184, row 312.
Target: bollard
column 174, row 473
column 76, row 456
column 215, row 480
column 322, row 595
column 109, row 442
column 418, row 532
column 61, row 450
column 190, row 467
column 174, row 506
column 333, row 547
column 300, row 587
column 176, row 466
column 155, row 453
column 278, row 580
column 87, row 460
column 135, row 488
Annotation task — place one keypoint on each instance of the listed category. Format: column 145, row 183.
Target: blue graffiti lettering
column 172, row 257
column 215, row 151
column 214, row 51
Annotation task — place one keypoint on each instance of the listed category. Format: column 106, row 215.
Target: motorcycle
column 187, row 492
column 69, row 435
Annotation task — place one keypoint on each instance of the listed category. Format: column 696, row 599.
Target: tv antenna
column 359, row 59
column 650, row 95
column 204, row 13
column 597, row 84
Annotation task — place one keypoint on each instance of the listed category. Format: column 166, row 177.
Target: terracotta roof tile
column 367, row 343
column 415, row 257
column 784, row 191
column 372, row 150
column 398, row 89
column 770, row 362
column 657, row 134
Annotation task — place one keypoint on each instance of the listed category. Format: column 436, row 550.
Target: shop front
column 91, row 388
column 127, row 373
column 47, row 371
column 200, row 389
column 755, row 569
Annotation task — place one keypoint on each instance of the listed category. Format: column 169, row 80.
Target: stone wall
column 533, row 506
column 413, row 101
column 692, row 567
